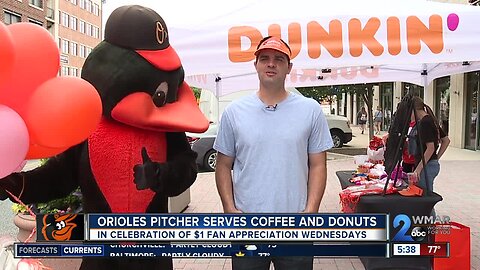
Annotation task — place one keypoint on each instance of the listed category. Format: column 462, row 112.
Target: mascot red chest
column 139, row 154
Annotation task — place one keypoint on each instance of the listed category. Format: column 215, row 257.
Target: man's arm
column 444, row 142
column 317, row 181
column 223, row 178
column 427, row 155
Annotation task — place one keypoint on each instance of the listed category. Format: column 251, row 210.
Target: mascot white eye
column 160, row 96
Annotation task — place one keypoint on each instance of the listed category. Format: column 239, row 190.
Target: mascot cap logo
column 143, row 30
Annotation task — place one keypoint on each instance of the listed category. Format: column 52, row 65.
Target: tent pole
column 424, row 77
column 217, row 96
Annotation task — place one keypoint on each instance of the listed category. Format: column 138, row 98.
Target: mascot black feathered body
column 139, row 154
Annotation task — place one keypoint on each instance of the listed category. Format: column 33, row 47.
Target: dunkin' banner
column 334, row 42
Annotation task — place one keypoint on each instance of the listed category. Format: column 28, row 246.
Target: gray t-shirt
column 271, row 148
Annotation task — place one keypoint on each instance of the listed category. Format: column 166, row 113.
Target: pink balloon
column 6, row 54
column 14, row 140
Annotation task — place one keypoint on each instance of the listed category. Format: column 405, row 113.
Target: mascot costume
column 139, row 154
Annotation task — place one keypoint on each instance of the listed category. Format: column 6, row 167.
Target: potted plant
column 24, row 219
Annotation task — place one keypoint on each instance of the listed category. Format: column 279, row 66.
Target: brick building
column 13, row 11
column 76, row 26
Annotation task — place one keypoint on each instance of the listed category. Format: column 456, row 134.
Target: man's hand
column 3, row 194
column 232, row 211
column 147, row 175
column 10, row 179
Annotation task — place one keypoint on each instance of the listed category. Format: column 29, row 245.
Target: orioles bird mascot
column 139, row 154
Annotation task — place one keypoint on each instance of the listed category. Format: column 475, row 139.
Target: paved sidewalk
column 457, row 183
column 453, row 153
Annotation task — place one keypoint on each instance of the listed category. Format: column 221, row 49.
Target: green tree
column 321, row 93
column 365, row 91
column 196, row 92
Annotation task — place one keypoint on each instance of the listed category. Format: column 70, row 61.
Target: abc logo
column 418, row 234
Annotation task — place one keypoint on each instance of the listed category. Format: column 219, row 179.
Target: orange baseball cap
column 274, row 43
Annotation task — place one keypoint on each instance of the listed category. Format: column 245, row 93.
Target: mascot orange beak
column 139, row 110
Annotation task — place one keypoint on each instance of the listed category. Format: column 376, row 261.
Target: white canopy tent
column 333, row 42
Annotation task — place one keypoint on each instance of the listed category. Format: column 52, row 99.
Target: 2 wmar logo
column 357, row 36
column 58, row 227
column 424, row 225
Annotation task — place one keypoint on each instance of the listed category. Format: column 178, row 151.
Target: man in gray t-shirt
column 276, row 142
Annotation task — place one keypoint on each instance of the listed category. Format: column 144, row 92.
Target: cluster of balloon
column 41, row 115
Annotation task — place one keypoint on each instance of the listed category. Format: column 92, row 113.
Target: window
column 88, row 51
column 96, row 32
column 442, row 102
column 50, row 13
column 89, row 30
column 37, row 3
column 81, row 50
column 35, row 21
column 386, row 103
column 96, row 10
column 64, row 19
column 413, row 89
column 82, row 27
column 73, row 48
column 472, row 128
column 83, row 4
column 65, row 46
column 89, row 6
column 73, row 2
column 73, row 23
column 74, row 71
column 11, row 17
column 64, row 71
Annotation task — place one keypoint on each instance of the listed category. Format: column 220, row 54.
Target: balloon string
column 33, row 264
column 29, row 211
column 17, row 200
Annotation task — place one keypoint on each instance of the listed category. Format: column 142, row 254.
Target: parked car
column 339, row 129
column 202, row 143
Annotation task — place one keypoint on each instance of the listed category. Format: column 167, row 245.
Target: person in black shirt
column 434, row 143
column 362, row 119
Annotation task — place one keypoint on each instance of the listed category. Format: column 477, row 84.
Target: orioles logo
column 58, row 229
column 162, row 33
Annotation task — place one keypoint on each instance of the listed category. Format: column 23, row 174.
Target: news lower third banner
column 205, row 250
column 212, row 227
column 236, row 227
